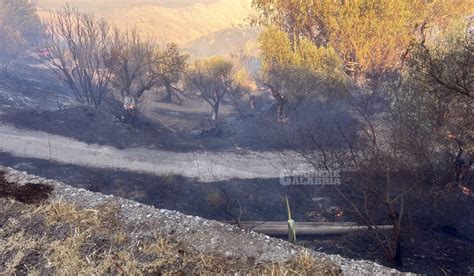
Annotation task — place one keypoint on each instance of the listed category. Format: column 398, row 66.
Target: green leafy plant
column 291, row 224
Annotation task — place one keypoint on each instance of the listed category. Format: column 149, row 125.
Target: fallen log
column 307, row 228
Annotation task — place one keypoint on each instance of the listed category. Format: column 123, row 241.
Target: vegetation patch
column 60, row 238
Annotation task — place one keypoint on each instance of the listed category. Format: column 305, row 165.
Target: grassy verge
column 59, row 238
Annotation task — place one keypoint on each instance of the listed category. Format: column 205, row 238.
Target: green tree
column 243, row 86
column 294, row 74
column 211, row 80
column 175, row 64
column 370, row 36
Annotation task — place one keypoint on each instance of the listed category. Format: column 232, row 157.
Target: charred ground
column 438, row 239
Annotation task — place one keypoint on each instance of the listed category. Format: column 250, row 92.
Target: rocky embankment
column 192, row 234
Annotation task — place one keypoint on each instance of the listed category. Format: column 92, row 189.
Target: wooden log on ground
column 307, row 228
column 250, row 224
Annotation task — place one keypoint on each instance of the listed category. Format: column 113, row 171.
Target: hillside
column 225, row 41
column 91, row 4
column 176, row 21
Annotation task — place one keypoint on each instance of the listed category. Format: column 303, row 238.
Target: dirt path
column 207, row 166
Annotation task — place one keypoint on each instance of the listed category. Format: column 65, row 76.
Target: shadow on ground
column 433, row 244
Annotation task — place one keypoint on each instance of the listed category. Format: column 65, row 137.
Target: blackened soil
column 28, row 193
column 253, row 199
column 437, row 237
column 102, row 127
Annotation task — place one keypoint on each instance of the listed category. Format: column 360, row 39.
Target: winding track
column 206, row 166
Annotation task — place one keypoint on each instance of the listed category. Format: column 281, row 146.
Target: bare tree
column 139, row 65
column 447, row 65
column 132, row 61
column 135, row 63
column 381, row 165
column 78, row 49
column 220, row 197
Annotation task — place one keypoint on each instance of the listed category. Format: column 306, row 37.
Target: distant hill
column 224, row 42
column 92, row 4
column 186, row 22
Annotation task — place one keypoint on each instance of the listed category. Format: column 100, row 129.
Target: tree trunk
column 281, row 104
column 169, row 92
column 398, row 253
column 397, row 249
column 395, row 256
column 215, row 111
column 281, row 110
column 252, row 102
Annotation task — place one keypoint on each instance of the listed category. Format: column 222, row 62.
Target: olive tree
column 175, row 67
column 210, row 80
column 295, row 74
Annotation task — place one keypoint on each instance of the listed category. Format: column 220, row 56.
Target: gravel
column 205, row 236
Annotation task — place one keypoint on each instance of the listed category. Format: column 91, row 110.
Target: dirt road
column 206, row 166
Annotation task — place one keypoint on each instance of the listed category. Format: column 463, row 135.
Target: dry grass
column 59, row 238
